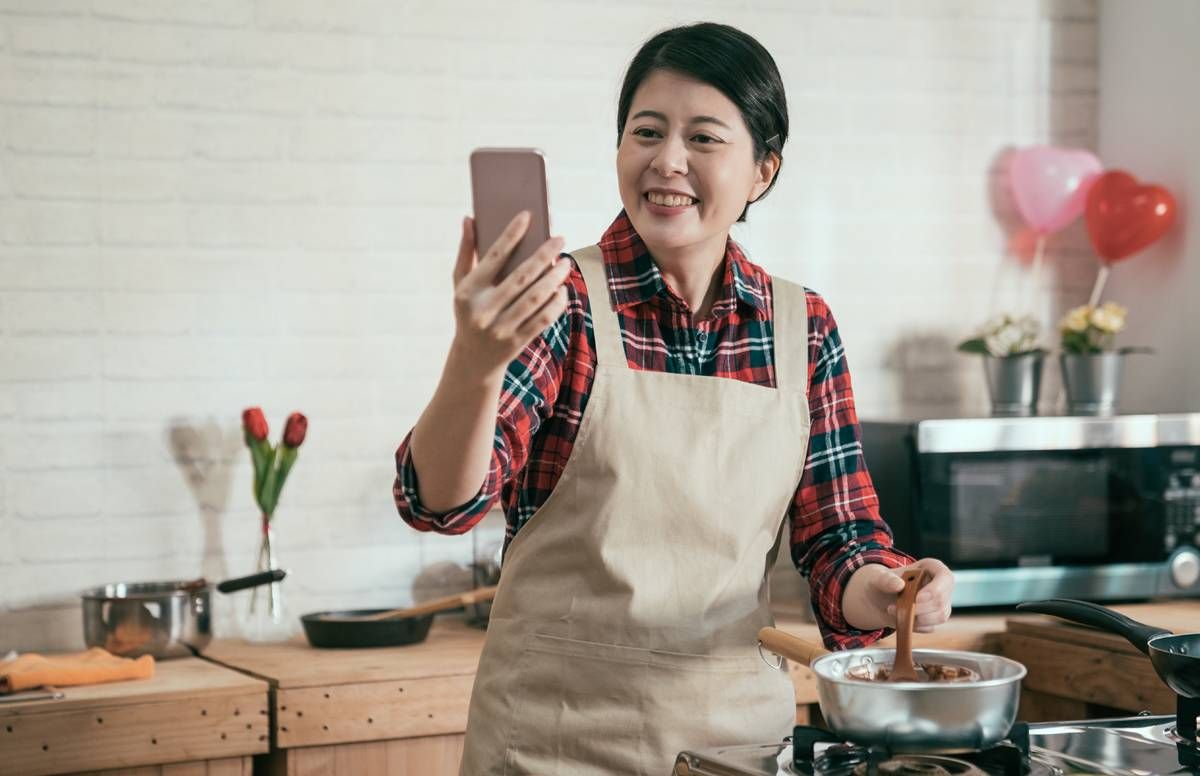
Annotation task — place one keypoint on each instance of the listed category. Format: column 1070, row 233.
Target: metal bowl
column 920, row 716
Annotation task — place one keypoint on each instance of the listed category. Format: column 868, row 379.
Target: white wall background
column 1149, row 122
column 206, row 206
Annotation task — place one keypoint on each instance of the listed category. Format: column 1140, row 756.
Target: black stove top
column 1129, row 745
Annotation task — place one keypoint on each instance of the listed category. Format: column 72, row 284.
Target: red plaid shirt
column 834, row 516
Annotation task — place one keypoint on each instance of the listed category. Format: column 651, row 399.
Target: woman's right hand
column 494, row 322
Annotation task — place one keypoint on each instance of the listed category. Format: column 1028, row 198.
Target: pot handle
column 254, row 580
column 789, row 646
column 1138, row 634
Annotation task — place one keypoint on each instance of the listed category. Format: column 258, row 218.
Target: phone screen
column 505, row 181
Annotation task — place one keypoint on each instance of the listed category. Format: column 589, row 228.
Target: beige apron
column 624, row 629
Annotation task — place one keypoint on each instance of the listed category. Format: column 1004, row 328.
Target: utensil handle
column 1138, row 634
column 254, row 580
column 906, row 616
column 446, row 604
column 791, row 647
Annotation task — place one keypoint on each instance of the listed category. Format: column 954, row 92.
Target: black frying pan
column 383, row 627
column 1176, row 658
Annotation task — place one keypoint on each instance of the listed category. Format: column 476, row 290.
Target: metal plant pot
column 1013, row 383
column 1092, row 382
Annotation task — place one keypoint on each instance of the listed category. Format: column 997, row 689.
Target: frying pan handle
column 1138, row 634
column 254, row 580
column 781, row 643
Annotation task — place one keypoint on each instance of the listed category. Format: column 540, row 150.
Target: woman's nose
column 671, row 159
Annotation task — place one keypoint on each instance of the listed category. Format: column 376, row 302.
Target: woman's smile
column 666, row 202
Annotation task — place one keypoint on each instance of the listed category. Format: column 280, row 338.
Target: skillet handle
column 447, row 604
column 1138, row 634
column 254, row 580
column 781, row 643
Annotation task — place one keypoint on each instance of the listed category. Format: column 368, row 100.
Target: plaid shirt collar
column 634, row 277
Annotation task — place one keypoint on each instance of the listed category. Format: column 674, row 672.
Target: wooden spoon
column 903, row 669
column 446, row 604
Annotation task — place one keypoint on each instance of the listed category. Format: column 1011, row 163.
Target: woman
column 652, row 409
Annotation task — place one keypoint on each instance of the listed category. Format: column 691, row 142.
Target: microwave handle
column 1138, row 634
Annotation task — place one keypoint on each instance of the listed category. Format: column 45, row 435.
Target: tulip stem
column 1036, row 272
column 1098, row 288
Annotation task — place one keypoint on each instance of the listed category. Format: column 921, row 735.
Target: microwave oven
column 1095, row 508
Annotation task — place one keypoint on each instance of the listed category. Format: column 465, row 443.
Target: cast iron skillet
column 1176, row 658
column 383, row 627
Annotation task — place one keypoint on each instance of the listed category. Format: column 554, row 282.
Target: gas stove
column 1128, row 745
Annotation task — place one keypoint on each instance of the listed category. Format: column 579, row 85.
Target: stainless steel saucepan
column 909, row 716
column 163, row 619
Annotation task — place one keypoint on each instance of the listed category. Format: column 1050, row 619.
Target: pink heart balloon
column 1050, row 185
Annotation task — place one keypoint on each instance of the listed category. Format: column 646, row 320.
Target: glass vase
column 266, row 616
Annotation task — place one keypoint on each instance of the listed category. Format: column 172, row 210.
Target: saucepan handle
column 1138, row 634
column 254, row 580
column 789, row 646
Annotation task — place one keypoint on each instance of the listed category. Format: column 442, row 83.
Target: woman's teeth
column 670, row 200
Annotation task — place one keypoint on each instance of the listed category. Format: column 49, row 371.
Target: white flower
column 1109, row 317
column 1008, row 336
column 1077, row 319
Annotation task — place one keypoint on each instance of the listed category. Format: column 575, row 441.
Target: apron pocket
column 584, row 707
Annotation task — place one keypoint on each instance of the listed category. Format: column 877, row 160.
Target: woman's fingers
column 498, row 252
column 528, row 273
column 533, row 297
column 466, row 251
column 547, row 314
column 928, row 622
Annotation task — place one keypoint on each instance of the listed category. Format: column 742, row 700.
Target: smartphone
column 505, row 181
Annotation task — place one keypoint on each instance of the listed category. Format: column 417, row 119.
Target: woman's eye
column 706, row 139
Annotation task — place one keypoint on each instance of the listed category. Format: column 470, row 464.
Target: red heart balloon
column 1123, row 216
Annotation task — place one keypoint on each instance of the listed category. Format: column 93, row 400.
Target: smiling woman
column 645, row 504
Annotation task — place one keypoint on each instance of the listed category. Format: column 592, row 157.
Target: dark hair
column 729, row 60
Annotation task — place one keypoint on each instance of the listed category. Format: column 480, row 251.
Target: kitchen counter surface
column 443, row 667
column 367, row 711
column 1077, row 672
column 190, row 713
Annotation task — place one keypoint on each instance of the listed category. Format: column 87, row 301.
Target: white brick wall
column 209, row 205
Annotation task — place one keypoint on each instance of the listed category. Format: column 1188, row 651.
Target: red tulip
column 294, row 431
column 1124, row 216
column 254, row 423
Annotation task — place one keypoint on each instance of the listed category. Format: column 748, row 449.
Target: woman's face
column 685, row 163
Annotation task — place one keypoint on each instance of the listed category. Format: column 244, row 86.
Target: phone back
column 505, row 181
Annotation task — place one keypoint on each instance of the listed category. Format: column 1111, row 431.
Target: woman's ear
column 765, row 173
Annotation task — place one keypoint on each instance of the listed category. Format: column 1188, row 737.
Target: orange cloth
column 92, row 667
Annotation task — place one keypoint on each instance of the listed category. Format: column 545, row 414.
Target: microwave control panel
column 1181, row 507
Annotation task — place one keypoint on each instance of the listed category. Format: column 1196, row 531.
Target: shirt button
column 702, row 337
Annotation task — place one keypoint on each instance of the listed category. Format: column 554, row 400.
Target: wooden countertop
column 323, row 697
column 1088, row 666
column 333, row 696
column 190, row 709
column 451, row 649
column 1177, row 616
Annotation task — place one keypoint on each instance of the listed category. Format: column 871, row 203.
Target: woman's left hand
column 933, row 601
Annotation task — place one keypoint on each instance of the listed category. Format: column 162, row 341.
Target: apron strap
column 790, row 303
column 610, row 349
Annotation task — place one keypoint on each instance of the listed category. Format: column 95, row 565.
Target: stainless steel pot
column 910, row 716
column 163, row 619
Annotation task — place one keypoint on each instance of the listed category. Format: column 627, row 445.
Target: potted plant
column 1012, row 362
column 1091, row 363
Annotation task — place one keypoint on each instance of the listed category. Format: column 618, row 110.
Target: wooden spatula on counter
column 446, row 604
